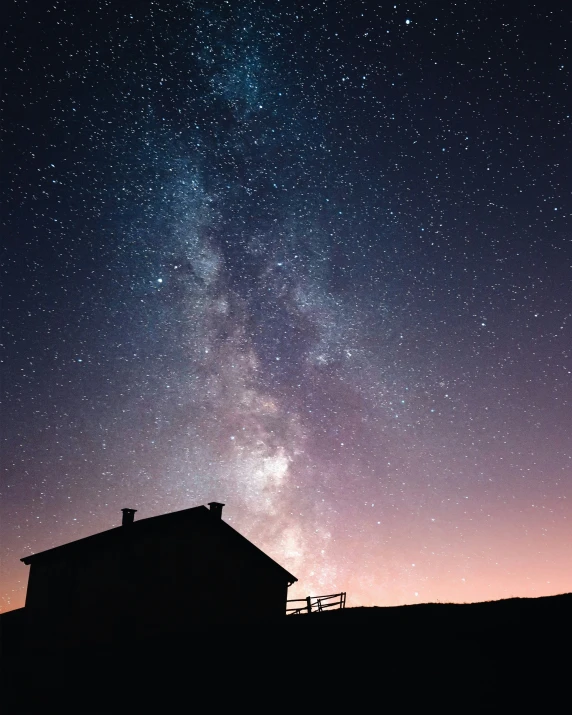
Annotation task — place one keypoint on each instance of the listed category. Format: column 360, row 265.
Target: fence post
column 309, row 603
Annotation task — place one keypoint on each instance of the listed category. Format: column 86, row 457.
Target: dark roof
column 146, row 527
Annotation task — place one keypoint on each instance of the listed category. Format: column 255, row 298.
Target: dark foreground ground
column 503, row 656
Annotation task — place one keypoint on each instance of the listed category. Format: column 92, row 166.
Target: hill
column 469, row 620
column 403, row 655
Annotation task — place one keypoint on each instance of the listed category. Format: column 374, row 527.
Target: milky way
column 312, row 261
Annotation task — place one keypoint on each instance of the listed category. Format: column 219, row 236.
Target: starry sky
column 310, row 259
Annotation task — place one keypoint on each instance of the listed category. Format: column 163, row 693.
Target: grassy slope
column 360, row 659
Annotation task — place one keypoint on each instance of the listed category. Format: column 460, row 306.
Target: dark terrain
column 477, row 656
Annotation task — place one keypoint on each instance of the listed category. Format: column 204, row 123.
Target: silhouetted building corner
column 186, row 571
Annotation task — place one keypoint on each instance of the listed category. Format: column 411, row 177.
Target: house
column 178, row 572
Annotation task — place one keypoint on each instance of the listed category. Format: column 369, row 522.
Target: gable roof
column 153, row 525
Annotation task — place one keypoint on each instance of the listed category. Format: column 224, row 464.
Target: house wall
column 198, row 575
column 71, row 598
column 183, row 576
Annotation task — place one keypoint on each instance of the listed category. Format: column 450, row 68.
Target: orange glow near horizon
column 509, row 559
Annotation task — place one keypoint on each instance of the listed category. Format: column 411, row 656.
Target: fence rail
column 314, row 604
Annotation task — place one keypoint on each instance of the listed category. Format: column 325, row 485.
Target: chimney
column 128, row 516
column 216, row 509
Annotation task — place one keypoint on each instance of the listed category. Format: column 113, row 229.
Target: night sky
column 310, row 259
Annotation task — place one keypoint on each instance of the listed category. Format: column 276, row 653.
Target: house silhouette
column 161, row 576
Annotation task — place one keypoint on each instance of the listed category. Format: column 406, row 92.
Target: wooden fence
column 313, row 604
